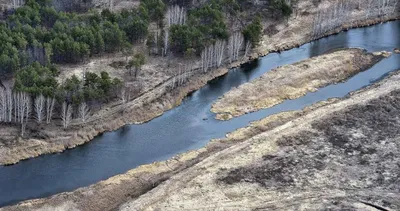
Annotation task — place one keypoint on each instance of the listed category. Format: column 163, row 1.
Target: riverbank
column 332, row 157
column 202, row 178
column 159, row 98
column 293, row 81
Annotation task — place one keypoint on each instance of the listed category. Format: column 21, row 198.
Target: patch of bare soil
column 293, row 81
column 354, row 151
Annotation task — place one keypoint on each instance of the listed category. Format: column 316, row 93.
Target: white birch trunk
column 49, row 109
column 3, row 105
column 66, row 114
column 39, row 108
column 84, row 112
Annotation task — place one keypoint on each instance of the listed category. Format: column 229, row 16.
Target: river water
column 189, row 126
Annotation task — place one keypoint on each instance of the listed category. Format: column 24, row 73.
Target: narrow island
column 293, row 81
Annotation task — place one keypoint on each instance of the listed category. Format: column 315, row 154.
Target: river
column 190, row 125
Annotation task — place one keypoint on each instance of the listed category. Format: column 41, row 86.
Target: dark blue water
column 183, row 128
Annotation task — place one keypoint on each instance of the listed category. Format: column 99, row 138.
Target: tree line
column 38, row 100
column 37, row 32
column 35, row 37
column 331, row 18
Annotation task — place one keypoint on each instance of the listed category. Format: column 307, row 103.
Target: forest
column 35, row 38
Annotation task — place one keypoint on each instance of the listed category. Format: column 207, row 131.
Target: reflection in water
column 248, row 67
column 189, row 126
column 329, row 44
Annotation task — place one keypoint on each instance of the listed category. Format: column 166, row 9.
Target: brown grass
column 293, row 81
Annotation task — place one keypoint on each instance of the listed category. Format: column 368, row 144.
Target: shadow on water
column 189, row 126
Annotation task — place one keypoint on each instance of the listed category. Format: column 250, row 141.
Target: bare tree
column 17, row 104
column 3, row 105
column 339, row 13
column 247, row 49
column 24, row 104
column 6, row 105
column 123, row 95
column 19, row 107
column 66, row 114
column 219, row 50
column 176, row 15
column 49, row 109
column 166, row 41
column 235, row 45
column 22, row 109
column 17, row 3
column 39, row 108
column 9, row 101
column 206, row 59
column 83, row 112
column 14, row 3
column 213, row 55
column 331, row 18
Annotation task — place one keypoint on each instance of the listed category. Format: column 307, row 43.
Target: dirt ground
column 309, row 75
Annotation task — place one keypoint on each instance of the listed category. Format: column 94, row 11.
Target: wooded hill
column 35, row 37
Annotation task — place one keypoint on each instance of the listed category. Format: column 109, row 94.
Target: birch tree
column 176, row 15
column 84, row 112
column 3, row 105
column 25, row 111
column 66, row 114
column 166, row 41
column 206, row 59
column 213, row 55
column 49, row 109
column 331, row 18
column 6, row 105
column 40, row 108
column 17, row 3
column 123, row 95
column 234, row 46
column 247, row 49
column 22, row 109
column 9, row 101
column 339, row 13
column 219, row 50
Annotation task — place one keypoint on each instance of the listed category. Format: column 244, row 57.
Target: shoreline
column 311, row 75
column 166, row 100
column 243, row 173
column 111, row 193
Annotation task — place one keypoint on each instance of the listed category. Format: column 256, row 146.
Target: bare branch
column 39, row 108
column 3, row 105
column 49, row 109
column 84, row 112
column 66, row 114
